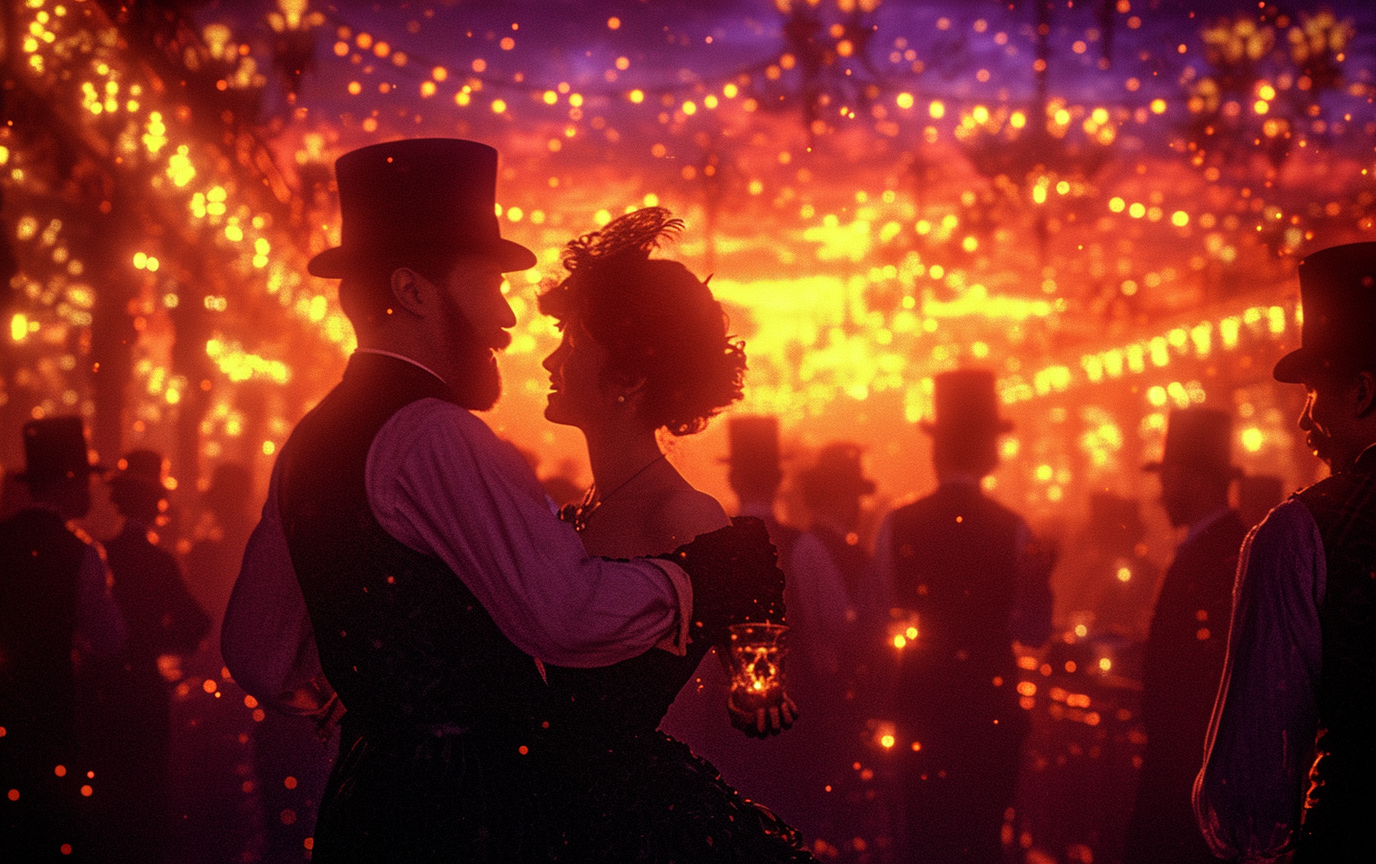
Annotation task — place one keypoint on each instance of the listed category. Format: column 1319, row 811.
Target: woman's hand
column 765, row 720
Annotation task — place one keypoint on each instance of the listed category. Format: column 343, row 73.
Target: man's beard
column 477, row 382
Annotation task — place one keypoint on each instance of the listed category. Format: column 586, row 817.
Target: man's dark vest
column 1343, row 793
column 40, row 562
column 402, row 640
column 956, row 565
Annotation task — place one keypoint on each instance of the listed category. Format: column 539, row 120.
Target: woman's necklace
column 580, row 514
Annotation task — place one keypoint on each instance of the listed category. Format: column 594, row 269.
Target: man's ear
column 409, row 289
column 1364, row 393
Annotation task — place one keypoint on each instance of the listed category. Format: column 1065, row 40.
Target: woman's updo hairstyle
column 656, row 319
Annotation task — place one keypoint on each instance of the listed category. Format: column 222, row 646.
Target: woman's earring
column 621, row 398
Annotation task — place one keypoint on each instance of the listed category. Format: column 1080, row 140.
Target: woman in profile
column 645, row 349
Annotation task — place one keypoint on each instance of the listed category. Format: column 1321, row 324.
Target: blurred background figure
column 761, row 770
column 213, row 560
column 826, row 568
column 219, row 804
column 57, row 614
column 14, row 494
column 1256, row 495
column 131, row 716
column 1107, row 586
column 831, row 490
column 975, row 579
column 755, row 473
column 1188, row 638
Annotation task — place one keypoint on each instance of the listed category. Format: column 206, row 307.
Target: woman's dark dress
column 634, row 794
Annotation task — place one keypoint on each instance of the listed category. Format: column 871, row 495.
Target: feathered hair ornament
column 641, row 232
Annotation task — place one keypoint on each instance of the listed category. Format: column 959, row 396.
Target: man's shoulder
column 39, row 521
column 38, row 528
column 1288, row 522
column 914, row 508
column 432, row 427
column 955, row 499
column 1338, row 490
column 1224, row 534
column 430, row 417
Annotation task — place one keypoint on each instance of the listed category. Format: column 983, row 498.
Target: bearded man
column 436, row 576
column 1298, row 698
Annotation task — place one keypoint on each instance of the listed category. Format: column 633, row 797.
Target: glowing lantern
column 757, row 654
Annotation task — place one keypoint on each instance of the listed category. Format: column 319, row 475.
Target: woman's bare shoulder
column 685, row 513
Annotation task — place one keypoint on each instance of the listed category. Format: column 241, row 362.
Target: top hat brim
column 143, row 483
column 338, row 262
column 31, row 476
column 1296, row 366
column 1156, row 466
column 1002, row 426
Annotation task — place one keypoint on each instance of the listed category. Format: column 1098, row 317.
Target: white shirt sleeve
column 441, row 482
column 1260, row 746
column 266, row 638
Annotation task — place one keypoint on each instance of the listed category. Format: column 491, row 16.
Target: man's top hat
column 55, row 448
column 1338, row 296
column 837, row 471
column 966, row 405
column 417, row 195
column 142, row 469
column 752, row 442
column 1198, row 438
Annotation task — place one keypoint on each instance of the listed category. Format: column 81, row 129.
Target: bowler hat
column 140, row 468
column 1338, row 297
column 417, row 195
column 966, row 405
column 1198, row 438
column 838, row 471
column 55, row 448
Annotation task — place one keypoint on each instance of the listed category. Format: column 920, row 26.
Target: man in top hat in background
column 758, row 769
column 788, row 774
column 978, row 582
column 435, row 575
column 1188, row 636
column 1108, row 584
column 54, row 601
column 755, row 473
column 1298, row 696
column 826, row 565
column 133, row 713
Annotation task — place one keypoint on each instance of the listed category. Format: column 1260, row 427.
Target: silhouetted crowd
column 949, row 707
column 905, row 661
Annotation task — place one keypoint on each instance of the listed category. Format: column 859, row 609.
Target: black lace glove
column 735, row 576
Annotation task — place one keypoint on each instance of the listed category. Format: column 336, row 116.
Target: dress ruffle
column 634, row 794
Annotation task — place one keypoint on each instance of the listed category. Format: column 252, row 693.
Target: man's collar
column 1206, row 523
column 959, row 479
column 826, row 523
column 758, row 509
column 1366, row 460
column 404, row 358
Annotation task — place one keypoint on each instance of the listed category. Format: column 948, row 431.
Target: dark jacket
column 1185, row 650
column 1343, row 791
